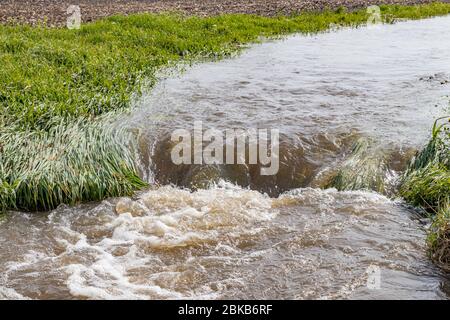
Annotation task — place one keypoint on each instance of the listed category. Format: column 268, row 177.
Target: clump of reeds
column 70, row 162
column 426, row 184
column 364, row 169
column 428, row 187
column 439, row 237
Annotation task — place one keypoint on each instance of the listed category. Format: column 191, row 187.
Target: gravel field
column 54, row 11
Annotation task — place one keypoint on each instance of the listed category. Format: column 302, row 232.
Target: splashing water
column 241, row 235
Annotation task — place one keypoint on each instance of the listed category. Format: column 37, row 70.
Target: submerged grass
column 426, row 184
column 364, row 169
column 53, row 82
column 70, row 162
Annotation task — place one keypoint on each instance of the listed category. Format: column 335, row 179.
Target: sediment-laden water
column 225, row 231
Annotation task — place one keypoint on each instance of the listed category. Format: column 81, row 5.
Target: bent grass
column 426, row 184
column 71, row 162
column 364, row 169
column 55, row 83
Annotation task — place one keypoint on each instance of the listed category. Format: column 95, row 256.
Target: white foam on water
column 225, row 242
column 10, row 294
column 163, row 219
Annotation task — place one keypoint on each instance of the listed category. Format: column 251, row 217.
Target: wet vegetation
column 427, row 184
column 69, row 162
column 364, row 169
column 57, row 87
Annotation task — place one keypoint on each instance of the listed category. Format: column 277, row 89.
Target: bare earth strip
column 54, row 11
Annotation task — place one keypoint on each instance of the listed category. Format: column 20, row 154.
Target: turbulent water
column 228, row 232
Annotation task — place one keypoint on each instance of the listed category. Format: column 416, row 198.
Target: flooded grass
column 364, row 169
column 427, row 184
column 54, row 81
column 70, row 162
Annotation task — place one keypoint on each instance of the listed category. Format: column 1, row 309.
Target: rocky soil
column 54, row 12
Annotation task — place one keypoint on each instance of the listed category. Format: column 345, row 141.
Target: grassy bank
column 57, row 86
column 426, row 184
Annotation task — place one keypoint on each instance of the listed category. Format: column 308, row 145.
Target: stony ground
column 54, row 11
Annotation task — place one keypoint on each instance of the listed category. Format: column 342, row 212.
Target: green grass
column 426, row 184
column 70, row 162
column 439, row 237
column 59, row 72
column 54, row 83
column 363, row 169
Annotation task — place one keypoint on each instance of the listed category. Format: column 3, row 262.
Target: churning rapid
column 352, row 106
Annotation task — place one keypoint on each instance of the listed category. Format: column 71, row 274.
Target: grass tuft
column 426, row 184
column 73, row 161
column 439, row 237
column 364, row 169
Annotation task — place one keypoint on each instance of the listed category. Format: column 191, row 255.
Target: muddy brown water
column 227, row 232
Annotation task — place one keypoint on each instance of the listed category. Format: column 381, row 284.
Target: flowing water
column 225, row 231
